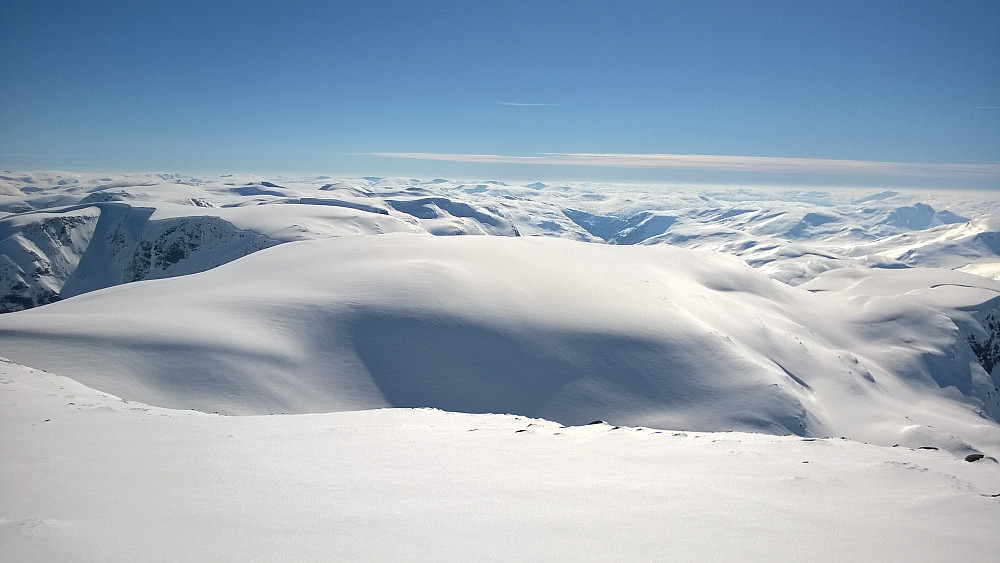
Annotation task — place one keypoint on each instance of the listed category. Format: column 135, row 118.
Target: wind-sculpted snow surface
column 572, row 332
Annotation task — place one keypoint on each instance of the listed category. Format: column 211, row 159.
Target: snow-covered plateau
column 240, row 368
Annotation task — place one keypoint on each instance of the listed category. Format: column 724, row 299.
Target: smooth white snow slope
column 572, row 332
column 95, row 478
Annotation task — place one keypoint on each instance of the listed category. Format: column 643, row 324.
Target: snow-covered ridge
column 151, row 226
column 655, row 336
column 79, row 249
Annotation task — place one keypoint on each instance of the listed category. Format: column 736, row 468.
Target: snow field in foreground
column 89, row 477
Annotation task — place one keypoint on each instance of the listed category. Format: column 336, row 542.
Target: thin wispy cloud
column 528, row 105
column 723, row 163
column 28, row 154
column 987, row 107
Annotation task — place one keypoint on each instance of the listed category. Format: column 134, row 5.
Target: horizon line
column 730, row 163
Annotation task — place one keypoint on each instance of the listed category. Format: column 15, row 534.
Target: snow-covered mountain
column 63, row 234
column 568, row 331
column 870, row 316
column 571, row 331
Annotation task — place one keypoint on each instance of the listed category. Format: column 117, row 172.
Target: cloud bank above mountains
column 986, row 172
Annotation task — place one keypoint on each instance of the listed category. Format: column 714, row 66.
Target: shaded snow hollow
column 571, row 332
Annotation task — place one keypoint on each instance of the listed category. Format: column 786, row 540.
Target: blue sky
column 426, row 88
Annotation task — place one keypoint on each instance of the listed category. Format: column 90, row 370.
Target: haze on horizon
column 842, row 93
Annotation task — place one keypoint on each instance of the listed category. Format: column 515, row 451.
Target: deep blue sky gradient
column 314, row 87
